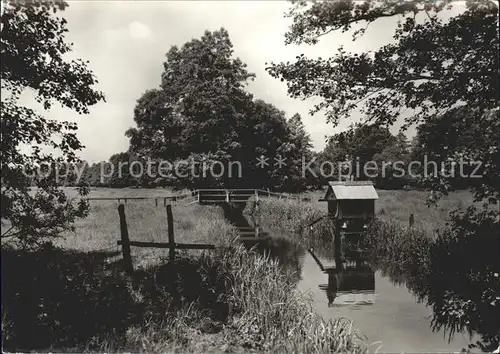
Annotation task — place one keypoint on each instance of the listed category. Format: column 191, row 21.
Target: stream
column 388, row 314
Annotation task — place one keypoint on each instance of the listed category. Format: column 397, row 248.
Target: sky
column 125, row 43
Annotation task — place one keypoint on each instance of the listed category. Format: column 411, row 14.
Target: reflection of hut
column 352, row 285
column 351, row 199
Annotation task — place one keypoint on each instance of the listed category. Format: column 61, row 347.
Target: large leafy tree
column 298, row 152
column 433, row 65
column 32, row 58
column 201, row 93
column 202, row 113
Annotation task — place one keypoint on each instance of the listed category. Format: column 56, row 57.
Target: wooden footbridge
column 351, row 204
column 206, row 196
column 248, row 234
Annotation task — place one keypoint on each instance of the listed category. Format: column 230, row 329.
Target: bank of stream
column 380, row 306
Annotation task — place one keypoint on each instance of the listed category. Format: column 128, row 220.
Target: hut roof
column 342, row 190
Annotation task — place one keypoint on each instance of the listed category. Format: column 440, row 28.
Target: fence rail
column 174, row 245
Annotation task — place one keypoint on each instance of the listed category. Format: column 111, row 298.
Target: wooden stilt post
column 164, row 202
column 227, row 196
column 171, row 240
column 156, row 201
column 411, row 221
column 256, row 195
column 338, row 245
column 127, row 258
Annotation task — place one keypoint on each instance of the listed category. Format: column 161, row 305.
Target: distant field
column 399, row 204
column 128, row 192
column 146, row 222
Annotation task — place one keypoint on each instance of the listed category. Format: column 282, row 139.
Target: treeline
column 366, row 152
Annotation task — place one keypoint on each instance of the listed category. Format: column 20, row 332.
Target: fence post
column 227, row 196
column 411, row 220
column 170, row 224
column 156, row 201
column 256, row 195
column 127, row 258
column 164, row 202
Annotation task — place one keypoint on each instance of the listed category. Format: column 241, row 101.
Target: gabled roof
column 342, row 190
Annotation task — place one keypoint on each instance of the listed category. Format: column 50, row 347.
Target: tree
column 33, row 47
column 432, row 66
column 358, row 145
column 393, row 163
column 440, row 70
column 465, row 145
column 298, row 149
column 201, row 94
column 201, row 116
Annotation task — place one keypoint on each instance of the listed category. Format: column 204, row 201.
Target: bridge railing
column 215, row 195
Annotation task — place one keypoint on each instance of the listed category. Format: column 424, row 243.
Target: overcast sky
column 126, row 43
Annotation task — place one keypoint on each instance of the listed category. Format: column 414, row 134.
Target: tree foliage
column 32, row 59
column 465, row 144
column 362, row 143
column 441, row 70
column 433, row 67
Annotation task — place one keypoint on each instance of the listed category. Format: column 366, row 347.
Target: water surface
column 388, row 314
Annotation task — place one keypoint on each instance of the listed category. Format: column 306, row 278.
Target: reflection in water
column 352, row 285
column 351, row 282
column 456, row 274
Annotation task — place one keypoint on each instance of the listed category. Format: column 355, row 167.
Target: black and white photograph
column 236, row 176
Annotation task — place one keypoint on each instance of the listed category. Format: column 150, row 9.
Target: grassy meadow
column 76, row 296
column 392, row 205
column 210, row 301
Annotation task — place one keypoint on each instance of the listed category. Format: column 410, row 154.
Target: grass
column 455, row 273
column 393, row 206
column 146, row 222
column 76, row 296
column 451, row 264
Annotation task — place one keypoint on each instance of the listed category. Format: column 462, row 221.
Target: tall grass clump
column 287, row 214
column 456, row 272
column 272, row 315
column 294, row 217
column 402, row 253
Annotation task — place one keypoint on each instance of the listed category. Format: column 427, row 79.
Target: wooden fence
column 125, row 242
column 207, row 196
